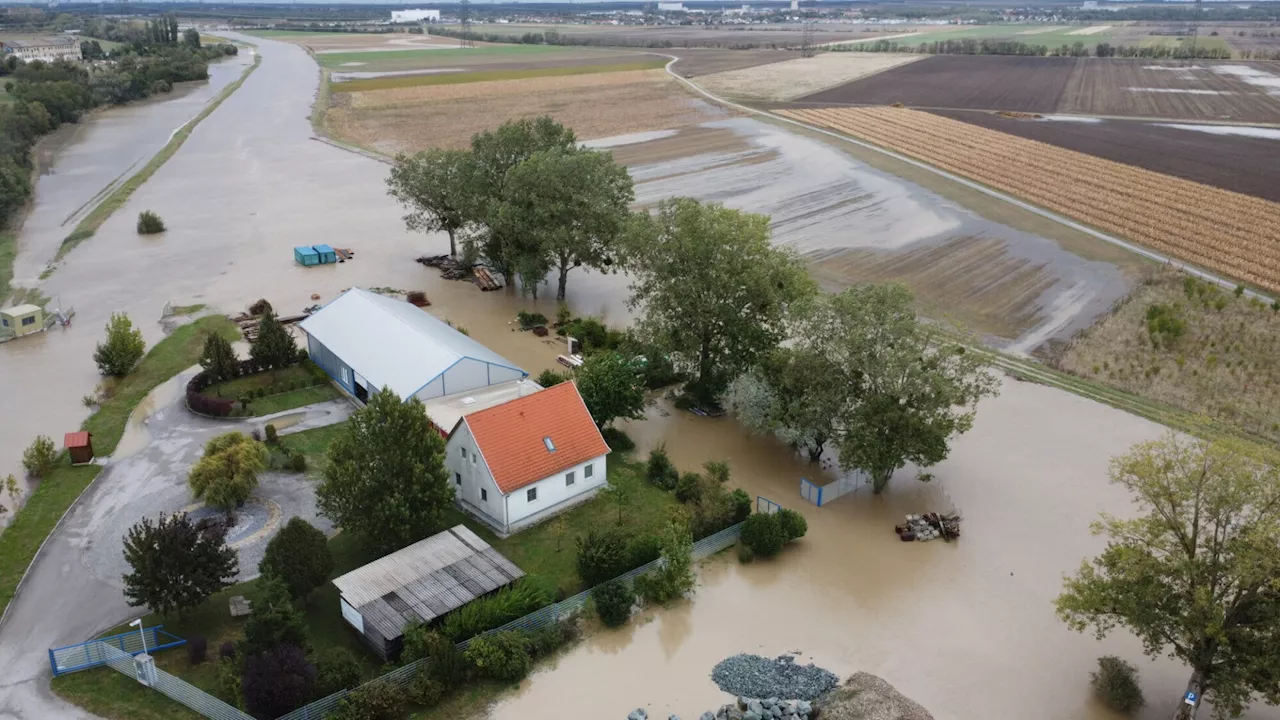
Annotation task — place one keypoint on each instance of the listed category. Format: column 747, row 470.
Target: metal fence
column 91, row 654
column 765, row 505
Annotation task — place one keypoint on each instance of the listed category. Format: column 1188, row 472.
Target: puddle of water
column 136, row 435
column 1070, row 118
column 1253, row 76
column 1180, row 91
column 628, row 139
column 1239, row 130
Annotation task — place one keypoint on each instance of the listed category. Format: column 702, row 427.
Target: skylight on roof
column 551, row 447
column 468, row 400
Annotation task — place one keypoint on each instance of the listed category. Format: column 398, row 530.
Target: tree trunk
column 564, row 280
column 453, row 245
column 880, row 479
column 815, row 451
column 1186, row 710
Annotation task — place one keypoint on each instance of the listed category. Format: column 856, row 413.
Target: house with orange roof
column 518, row 463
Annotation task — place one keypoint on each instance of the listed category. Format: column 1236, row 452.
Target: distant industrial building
column 44, row 48
column 406, row 16
column 671, row 6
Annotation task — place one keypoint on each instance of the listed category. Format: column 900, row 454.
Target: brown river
column 967, row 628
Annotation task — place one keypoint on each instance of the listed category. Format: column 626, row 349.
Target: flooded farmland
column 967, row 629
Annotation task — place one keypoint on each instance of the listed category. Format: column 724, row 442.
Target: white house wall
column 552, row 492
column 475, row 476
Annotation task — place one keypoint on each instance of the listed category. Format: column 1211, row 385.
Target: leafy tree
column 1193, row 576
column 434, row 186
column 191, row 37
column 610, row 388
column 714, row 291
column 274, row 621
column 613, row 600
column 622, row 490
column 277, row 681
column 385, row 479
column 299, row 555
column 741, row 503
column 905, row 388
column 717, row 470
column 176, row 563
column 218, row 359
column 674, row 577
column 337, row 668
column 792, row 395
column 123, row 349
column 570, row 207
column 1115, row 682
column 603, row 555
column 227, row 475
column 40, row 457
column 659, row 469
column 793, row 524
column 274, row 347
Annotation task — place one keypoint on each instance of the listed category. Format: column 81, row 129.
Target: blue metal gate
column 811, row 492
column 90, row 654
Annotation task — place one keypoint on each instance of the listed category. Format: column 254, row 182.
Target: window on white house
column 531, row 495
column 484, row 494
column 473, row 458
column 588, row 471
column 464, row 453
column 457, row 478
column 568, row 478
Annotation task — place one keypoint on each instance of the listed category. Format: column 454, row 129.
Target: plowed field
column 1228, row 232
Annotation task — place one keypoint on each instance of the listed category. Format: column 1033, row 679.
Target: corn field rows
column 1235, row 234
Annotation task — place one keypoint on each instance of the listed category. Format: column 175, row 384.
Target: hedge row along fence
column 198, row 401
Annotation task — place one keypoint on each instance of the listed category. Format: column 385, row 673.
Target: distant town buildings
column 670, row 6
column 404, row 16
column 42, row 48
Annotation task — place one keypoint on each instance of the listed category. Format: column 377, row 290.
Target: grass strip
column 167, row 358
column 8, row 252
column 336, row 60
column 91, row 222
column 291, row 399
column 406, row 81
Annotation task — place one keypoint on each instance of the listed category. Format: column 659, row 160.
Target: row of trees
column 971, row 46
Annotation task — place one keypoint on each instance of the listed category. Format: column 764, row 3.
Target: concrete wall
column 470, row 475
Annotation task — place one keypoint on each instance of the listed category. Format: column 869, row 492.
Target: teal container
column 305, row 255
column 326, row 253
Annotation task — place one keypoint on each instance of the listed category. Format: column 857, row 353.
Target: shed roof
column 305, row 250
column 76, row 439
column 21, row 310
column 392, row 343
column 425, row 580
column 536, row 436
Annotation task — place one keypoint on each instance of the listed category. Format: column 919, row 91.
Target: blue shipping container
column 326, row 253
column 305, row 255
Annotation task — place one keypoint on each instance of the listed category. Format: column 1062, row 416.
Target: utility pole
column 807, row 48
column 1195, row 29
column 464, row 14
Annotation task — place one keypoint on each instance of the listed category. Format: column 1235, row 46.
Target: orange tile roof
column 510, row 436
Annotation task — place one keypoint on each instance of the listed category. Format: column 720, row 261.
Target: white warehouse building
column 408, row 16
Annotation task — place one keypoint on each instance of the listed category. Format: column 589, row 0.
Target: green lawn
column 403, row 81
column 167, row 358
column 1010, row 33
column 335, row 61
column 188, row 309
column 109, row 694
column 281, row 386
column 1212, row 42
column 312, row 443
column 293, row 399
column 8, row 251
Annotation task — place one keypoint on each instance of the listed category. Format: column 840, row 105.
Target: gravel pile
column 759, row 677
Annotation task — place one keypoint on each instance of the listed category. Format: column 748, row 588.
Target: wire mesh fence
column 74, row 658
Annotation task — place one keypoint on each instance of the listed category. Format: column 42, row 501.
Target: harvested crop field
column 1234, row 234
column 1207, row 90
column 696, row 62
column 670, row 36
column 452, row 76
column 477, row 57
column 596, row 105
column 793, row 78
column 1234, row 162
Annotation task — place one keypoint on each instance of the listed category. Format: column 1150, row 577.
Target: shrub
column 674, row 577
column 763, row 534
column 40, row 457
column 425, row 690
column 297, row 462
column 229, row 681
column 501, row 656
column 617, row 440
column 792, row 523
column 149, row 223
column 274, row 620
column 197, row 649
column 530, row 320
column 603, row 555
column 373, row 701
column 660, row 471
column 272, row 437
column 1165, row 325
column 688, row 487
column 713, row 510
column 717, row 470
column 417, row 297
column 277, row 681
column 744, row 553
column 299, row 556
column 741, row 503
column 510, row 603
column 1116, row 684
column 447, row 663
column 643, row 549
column 336, row 669
column 227, row 650
column 227, row 474
column 613, row 600
column 548, row 639
column 547, row 378
column 122, row 350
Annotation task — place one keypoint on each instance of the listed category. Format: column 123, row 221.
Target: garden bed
column 261, row 392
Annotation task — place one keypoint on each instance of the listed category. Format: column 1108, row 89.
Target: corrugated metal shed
column 425, row 580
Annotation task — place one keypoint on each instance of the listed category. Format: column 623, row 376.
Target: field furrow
column 1235, row 234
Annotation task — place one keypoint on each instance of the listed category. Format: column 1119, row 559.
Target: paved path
column 74, row 590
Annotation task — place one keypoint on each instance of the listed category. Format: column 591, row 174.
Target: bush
column 1165, row 325
column 741, row 503
column 674, row 577
column 447, row 663
column 508, row 604
column 425, row 691
column 613, row 600
column 227, row 650
column 688, row 488
column 297, row 462
column 501, row 656
column 274, row 621
column 1116, row 684
column 197, row 649
column 227, row 474
column 660, row 471
column 122, row 350
column 717, row 470
column 272, row 437
column 617, row 440
column 744, row 553
column 277, row 681
column 373, row 701
column 299, row 556
column 763, row 534
column 337, row 669
column 792, row 523
column 229, row 681
column 548, row 639
column 643, row 549
column 149, row 223
column 603, row 555
column 530, row 320
column 547, row 378
column 40, row 457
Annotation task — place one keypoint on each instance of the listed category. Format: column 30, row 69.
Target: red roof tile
column 76, row 439
column 510, row 436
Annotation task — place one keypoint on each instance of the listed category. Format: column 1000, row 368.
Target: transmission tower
column 1195, row 29
column 464, row 15
column 807, row 48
